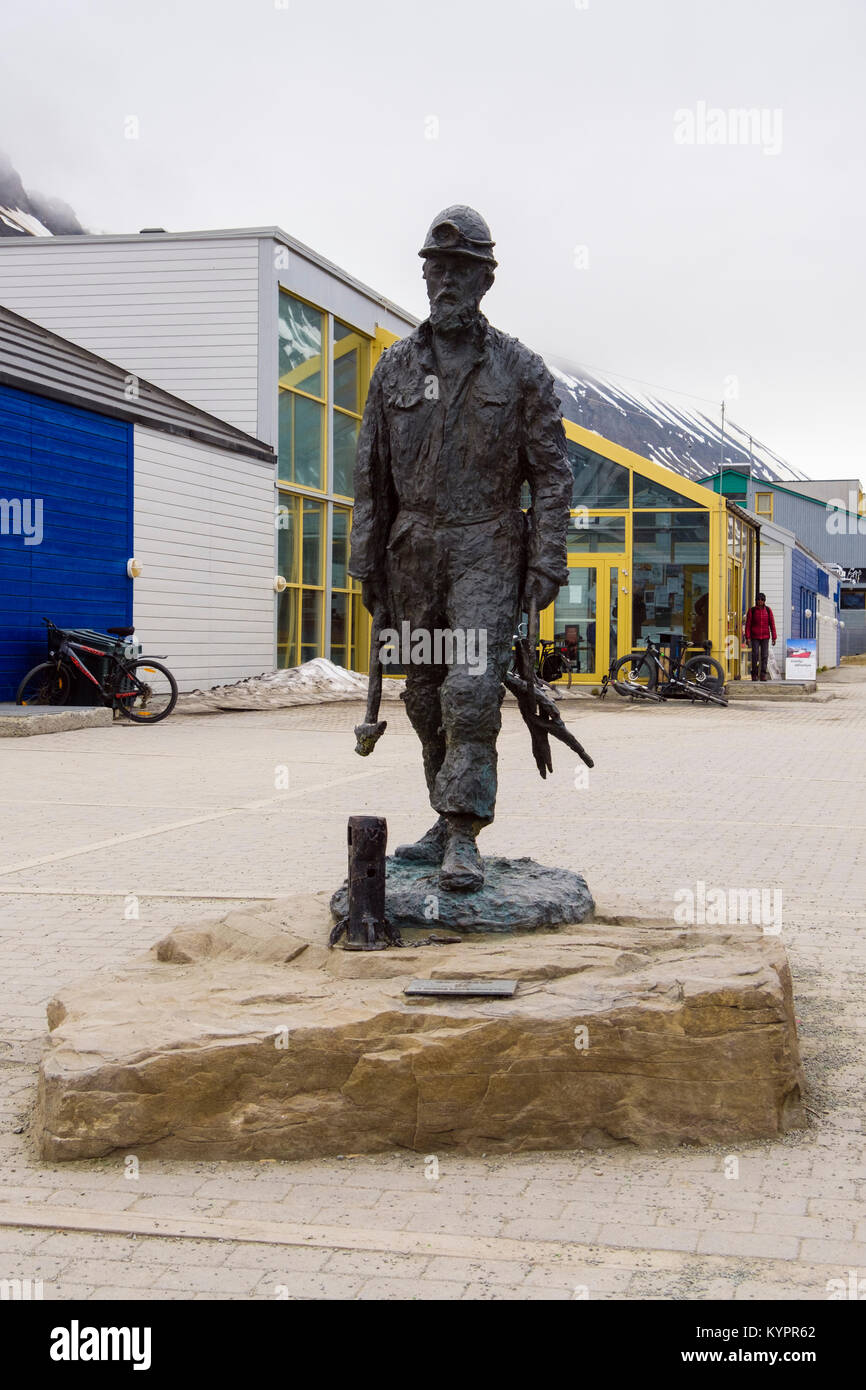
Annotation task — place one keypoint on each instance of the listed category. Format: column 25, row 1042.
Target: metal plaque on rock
column 485, row 989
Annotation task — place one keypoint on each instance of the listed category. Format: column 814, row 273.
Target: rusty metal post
column 366, row 929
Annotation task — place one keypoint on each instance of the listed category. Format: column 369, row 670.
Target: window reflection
column 300, row 350
column 349, row 348
column 598, row 481
column 594, row 534
column 649, row 493
column 345, row 444
column 670, row 580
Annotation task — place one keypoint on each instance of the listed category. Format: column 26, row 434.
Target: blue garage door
column 65, row 525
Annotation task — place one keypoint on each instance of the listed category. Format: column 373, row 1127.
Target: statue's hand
column 541, row 588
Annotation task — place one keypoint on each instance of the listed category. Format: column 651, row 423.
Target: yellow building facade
column 324, row 367
column 650, row 553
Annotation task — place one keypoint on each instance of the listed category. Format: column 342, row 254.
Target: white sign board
column 801, row 659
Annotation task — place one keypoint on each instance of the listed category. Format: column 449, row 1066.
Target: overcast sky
column 580, row 128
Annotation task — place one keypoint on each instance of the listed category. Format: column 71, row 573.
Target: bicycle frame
column 67, row 649
column 668, row 673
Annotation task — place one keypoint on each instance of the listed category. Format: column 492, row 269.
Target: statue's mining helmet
column 459, row 231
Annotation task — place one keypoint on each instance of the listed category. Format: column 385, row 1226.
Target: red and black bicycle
column 140, row 687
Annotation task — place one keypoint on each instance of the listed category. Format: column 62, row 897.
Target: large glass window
column 287, row 628
column 312, row 553
column 324, row 373
column 302, row 335
column 351, row 375
column 289, row 537
column 598, row 481
column 346, row 606
column 648, row 493
column 302, row 440
column 670, row 575
column 340, row 629
column 311, row 624
column 595, row 534
column 345, row 443
column 302, row 389
column 349, row 354
column 340, row 549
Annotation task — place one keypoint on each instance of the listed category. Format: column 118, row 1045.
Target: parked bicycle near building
column 554, row 658
column 649, row 675
column 137, row 686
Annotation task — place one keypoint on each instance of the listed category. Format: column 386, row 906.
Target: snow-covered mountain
column 680, row 437
column 31, row 214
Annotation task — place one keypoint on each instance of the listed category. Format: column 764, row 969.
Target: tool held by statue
column 540, row 714
column 369, row 733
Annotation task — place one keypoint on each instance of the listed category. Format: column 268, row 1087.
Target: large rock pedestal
column 251, row 1040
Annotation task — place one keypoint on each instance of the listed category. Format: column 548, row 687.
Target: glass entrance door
column 590, row 615
column 735, row 618
column 575, row 618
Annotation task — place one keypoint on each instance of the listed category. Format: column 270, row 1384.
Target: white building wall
column 182, row 312
column 772, row 584
column 204, row 534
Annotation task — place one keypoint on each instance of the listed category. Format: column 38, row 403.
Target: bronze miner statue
column 458, row 417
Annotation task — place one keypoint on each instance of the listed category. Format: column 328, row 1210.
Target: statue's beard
column 450, row 319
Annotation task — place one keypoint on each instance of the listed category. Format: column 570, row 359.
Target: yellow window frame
column 765, row 512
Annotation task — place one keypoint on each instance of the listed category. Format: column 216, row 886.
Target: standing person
column 458, row 416
column 760, row 626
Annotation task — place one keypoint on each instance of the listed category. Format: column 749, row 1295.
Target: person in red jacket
column 760, row 626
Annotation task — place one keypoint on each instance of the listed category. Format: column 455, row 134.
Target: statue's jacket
column 458, row 451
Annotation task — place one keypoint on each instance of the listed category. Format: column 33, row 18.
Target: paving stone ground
column 201, row 813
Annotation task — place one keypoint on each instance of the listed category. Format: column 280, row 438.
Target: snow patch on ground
column 316, row 682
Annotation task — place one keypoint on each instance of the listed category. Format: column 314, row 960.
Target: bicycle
column 636, row 676
column 553, row 660
column 137, row 686
column 552, row 657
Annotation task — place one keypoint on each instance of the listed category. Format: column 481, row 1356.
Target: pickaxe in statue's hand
column 526, row 691
column 369, row 733
column 540, row 714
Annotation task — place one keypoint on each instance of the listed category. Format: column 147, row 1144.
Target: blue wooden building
column 66, row 523
column 98, row 468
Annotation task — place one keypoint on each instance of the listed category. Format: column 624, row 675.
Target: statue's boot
column 462, row 869
column 429, row 849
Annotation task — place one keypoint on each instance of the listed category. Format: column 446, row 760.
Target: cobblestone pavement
column 199, row 813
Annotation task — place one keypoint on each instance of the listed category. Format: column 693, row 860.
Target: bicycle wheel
column 634, row 674
column 146, row 692
column 48, row 684
column 706, row 672
column 551, row 667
